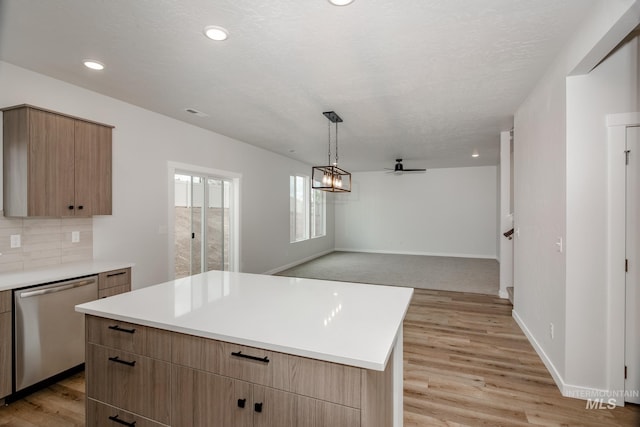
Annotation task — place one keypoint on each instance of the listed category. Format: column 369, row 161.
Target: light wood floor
column 466, row 364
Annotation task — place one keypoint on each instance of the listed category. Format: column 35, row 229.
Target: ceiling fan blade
column 414, row 170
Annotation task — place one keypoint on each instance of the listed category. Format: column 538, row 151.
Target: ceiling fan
column 399, row 169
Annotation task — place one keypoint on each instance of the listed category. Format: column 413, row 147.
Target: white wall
column 539, row 214
column 610, row 88
column 505, row 216
column 546, row 186
column 449, row 212
column 143, row 143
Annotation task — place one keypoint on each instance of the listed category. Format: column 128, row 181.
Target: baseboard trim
column 298, row 262
column 376, row 251
column 569, row 390
column 503, row 294
column 543, row 356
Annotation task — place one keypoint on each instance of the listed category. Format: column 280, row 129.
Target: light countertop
column 21, row 279
column 348, row 323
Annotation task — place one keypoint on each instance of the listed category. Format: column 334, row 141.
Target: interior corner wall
column 540, row 198
column 448, row 212
column 539, row 218
column 143, row 144
column 610, row 88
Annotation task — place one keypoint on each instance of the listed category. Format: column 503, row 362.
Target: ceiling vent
column 196, row 112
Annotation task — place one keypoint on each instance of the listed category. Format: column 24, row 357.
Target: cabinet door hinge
column 626, row 154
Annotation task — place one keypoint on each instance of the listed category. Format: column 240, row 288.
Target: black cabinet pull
column 115, row 419
column 257, row 407
column 247, row 356
column 80, row 207
column 70, row 207
column 120, row 273
column 242, row 403
column 119, row 329
column 124, row 362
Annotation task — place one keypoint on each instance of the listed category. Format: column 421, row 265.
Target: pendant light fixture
column 331, row 178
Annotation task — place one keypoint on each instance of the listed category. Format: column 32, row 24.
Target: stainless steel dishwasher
column 49, row 333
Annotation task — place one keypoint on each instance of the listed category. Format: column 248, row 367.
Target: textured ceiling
column 426, row 80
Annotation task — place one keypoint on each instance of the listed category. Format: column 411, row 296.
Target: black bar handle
column 120, row 273
column 242, row 403
column 70, row 207
column 124, row 362
column 115, row 419
column 257, row 407
column 121, row 329
column 247, row 356
column 80, row 207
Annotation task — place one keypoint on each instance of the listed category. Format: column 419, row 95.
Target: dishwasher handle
column 55, row 289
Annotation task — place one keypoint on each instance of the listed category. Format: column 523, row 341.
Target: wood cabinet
column 224, row 384
column 114, row 282
column 5, row 343
column 55, row 165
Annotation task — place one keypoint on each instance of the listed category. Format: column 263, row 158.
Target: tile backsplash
column 44, row 242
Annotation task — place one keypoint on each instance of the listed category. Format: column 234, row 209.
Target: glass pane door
column 202, row 236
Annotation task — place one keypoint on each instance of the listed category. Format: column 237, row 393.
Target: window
column 306, row 210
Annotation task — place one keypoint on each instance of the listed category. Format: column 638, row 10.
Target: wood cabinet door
column 275, row 408
column 203, row 399
column 92, row 169
column 50, row 164
column 5, row 354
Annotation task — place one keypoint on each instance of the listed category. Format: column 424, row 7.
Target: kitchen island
column 237, row 349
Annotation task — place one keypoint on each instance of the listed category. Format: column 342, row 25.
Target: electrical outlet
column 15, row 241
column 551, row 332
column 75, row 236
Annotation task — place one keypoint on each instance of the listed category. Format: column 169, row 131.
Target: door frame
column 617, row 125
column 235, row 178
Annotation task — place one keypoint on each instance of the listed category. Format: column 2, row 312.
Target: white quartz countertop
column 348, row 323
column 21, row 279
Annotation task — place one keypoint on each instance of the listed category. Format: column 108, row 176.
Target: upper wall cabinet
column 55, row 165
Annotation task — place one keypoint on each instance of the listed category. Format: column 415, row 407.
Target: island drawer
column 101, row 415
column 129, row 381
column 326, row 381
column 125, row 336
column 110, row 279
column 196, row 352
column 255, row 365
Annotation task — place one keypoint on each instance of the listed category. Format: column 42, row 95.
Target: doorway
column 623, row 258
column 203, row 220
column 632, row 267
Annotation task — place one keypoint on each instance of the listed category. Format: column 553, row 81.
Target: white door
column 632, row 309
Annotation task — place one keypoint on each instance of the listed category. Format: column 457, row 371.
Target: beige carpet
column 480, row 276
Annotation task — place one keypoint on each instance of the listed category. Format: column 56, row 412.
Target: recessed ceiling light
column 216, row 33
column 92, row 64
column 475, row 153
column 340, row 2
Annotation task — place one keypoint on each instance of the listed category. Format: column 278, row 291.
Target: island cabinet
column 114, row 282
column 5, row 343
column 55, row 165
column 146, row 375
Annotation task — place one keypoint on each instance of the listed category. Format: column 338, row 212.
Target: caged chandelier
column 331, row 177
